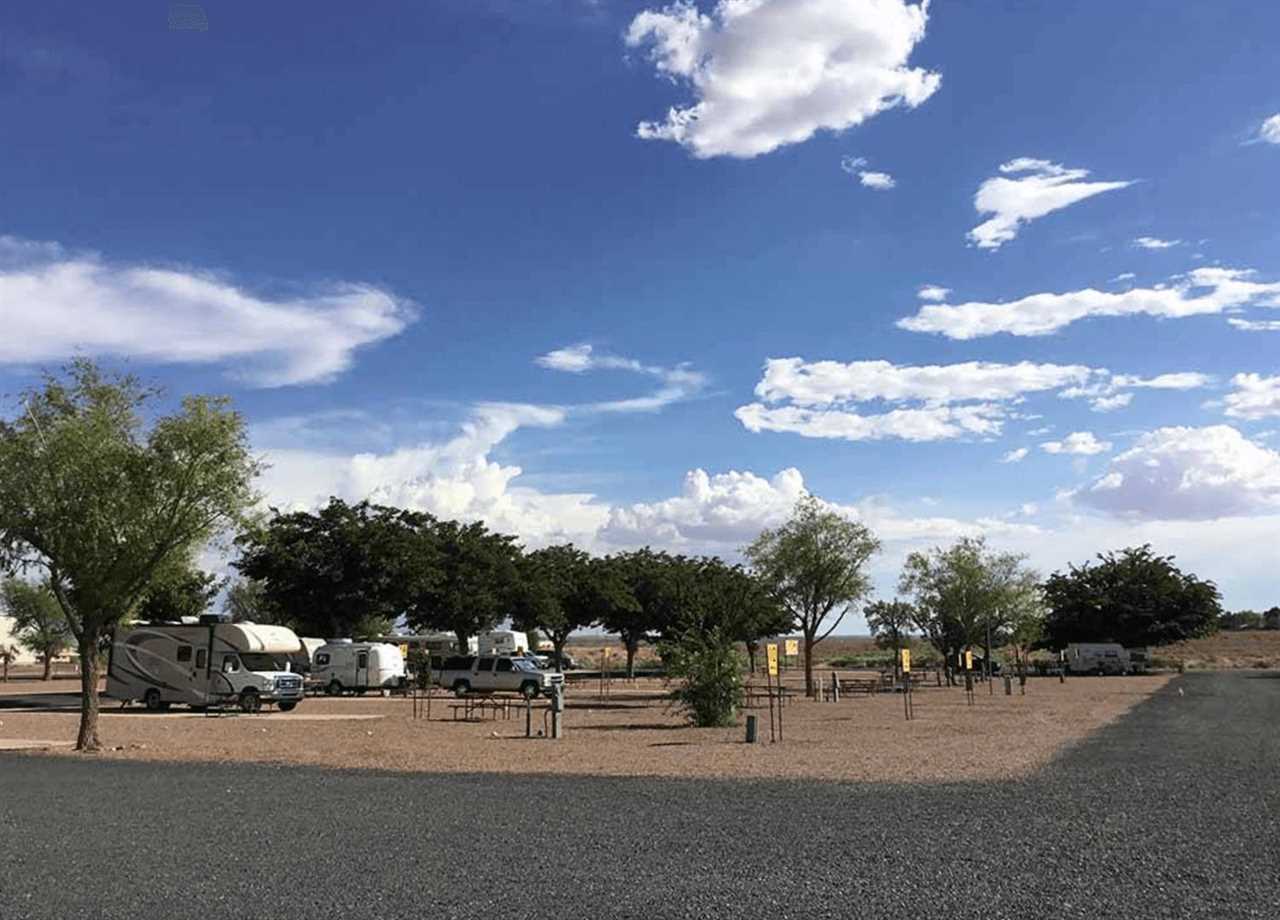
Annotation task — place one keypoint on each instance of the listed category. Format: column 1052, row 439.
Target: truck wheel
column 249, row 701
column 461, row 688
column 153, row 701
column 288, row 705
column 529, row 690
column 334, row 688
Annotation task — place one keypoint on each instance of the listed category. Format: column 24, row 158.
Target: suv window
column 504, row 665
column 458, row 663
column 485, row 665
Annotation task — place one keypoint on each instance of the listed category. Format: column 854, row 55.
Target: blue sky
column 392, row 233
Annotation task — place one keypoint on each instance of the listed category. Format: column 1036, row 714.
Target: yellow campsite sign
column 792, row 647
column 772, row 651
column 906, row 661
column 404, row 650
column 968, row 660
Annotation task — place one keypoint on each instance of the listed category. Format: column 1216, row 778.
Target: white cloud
column 1269, row 131
column 932, row 292
column 1151, row 242
column 1202, row 291
column 1255, row 397
column 1258, row 325
column 1111, row 403
column 766, row 73
column 1082, row 443
column 678, row 383
column 53, row 304
column 927, row 424
column 1046, row 187
column 1188, row 473
column 881, row 182
column 823, row 383
column 1015, row 456
column 1123, row 276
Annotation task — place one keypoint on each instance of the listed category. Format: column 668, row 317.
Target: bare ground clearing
column 635, row 734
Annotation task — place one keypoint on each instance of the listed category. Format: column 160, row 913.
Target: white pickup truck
column 465, row 674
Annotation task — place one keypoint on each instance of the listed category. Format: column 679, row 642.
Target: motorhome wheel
column 249, row 701
column 153, row 701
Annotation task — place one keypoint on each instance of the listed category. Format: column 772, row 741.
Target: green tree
column 709, row 668
column 38, row 621
column 1271, row 619
column 342, row 570
column 181, row 591
column 730, row 601
column 101, row 494
column 1242, row 619
column 561, row 589
column 891, row 623
column 472, row 580
column 965, row 595
column 815, row 564
column 246, row 601
column 1133, row 597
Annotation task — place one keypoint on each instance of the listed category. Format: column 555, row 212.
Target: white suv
column 465, row 674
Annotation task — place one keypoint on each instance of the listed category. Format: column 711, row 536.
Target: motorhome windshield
column 259, row 661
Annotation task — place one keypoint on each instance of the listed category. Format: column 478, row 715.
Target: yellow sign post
column 968, row 676
column 906, row 661
column 771, row 650
column 404, row 650
column 792, row 647
column 908, row 706
column 771, row 655
column 968, row 660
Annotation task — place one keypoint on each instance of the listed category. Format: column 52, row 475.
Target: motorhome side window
column 184, row 653
column 202, row 658
column 322, row 658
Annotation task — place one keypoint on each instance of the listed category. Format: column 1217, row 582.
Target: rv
column 503, row 642
column 1097, row 658
column 205, row 663
column 344, row 665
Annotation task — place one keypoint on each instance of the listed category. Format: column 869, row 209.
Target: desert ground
column 631, row 730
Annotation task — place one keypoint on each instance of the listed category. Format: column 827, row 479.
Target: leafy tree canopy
column 38, row 621
column 1133, row 597
column 178, row 591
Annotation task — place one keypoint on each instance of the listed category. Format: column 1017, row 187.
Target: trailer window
column 362, row 660
column 322, row 658
column 184, row 653
column 202, row 658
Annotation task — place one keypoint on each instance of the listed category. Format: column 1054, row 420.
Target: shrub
column 709, row 668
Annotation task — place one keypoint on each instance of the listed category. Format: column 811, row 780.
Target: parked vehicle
column 204, row 663
column 561, row 663
column 435, row 643
column 465, row 674
column 344, row 665
column 503, row 642
column 300, row 661
column 1097, row 658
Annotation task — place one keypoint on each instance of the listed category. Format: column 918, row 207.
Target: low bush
column 709, row 668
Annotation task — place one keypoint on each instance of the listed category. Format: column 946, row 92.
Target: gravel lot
column 1169, row 812
column 860, row 738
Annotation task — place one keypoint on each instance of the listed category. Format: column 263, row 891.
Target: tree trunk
column 752, row 649
column 462, row 642
column 633, row 646
column 897, row 657
column 557, row 645
column 809, row 643
column 48, row 667
column 87, row 740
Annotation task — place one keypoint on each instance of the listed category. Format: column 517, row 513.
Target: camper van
column 357, row 666
column 204, row 663
column 503, row 642
column 1097, row 658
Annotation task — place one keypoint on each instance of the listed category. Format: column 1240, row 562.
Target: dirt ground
column 634, row 732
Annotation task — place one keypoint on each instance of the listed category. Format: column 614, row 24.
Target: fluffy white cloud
column 54, row 303
column 1015, row 456
column 1270, row 130
column 1202, row 291
column 1255, row 325
column 1111, row 403
column 1041, row 188
column 1123, row 276
column 678, row 383
column 1082, row 443
column 1107, row 393
column 1151, row 242
column 934, row 423
column 881, row 182
column 1255, row 397
column 1188, row 473
column 766, row 73
column 932, row 292
column 823, row 383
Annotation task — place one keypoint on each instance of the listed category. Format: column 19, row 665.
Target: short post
column 528, row 717
column 557, row 710
column 1008, row 685
column 835, row 688
column 751, row 729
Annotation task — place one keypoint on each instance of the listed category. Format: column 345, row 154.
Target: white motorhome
column 203, row 664
column 1097, row 658
column 357, row 666
column 503, row 642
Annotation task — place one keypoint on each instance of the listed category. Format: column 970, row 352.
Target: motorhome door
column 362, row 668
column 190, row 665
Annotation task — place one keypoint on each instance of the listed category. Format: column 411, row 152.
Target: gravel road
column 1169, row 813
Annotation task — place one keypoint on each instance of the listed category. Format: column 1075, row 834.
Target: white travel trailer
column 205, row 664
column 1097, row 658
column 358, row 666
column 503, row 642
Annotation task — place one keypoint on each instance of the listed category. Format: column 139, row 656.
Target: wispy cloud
column 677, row 383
